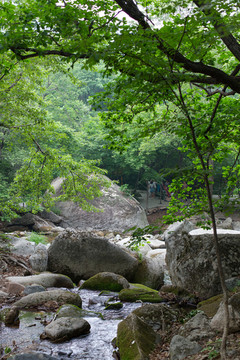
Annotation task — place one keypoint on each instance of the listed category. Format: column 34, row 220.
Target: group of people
column 158, row 189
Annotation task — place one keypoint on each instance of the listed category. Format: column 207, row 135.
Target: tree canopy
column 156, row 42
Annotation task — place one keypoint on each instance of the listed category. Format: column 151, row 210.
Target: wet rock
column 33, row 356
column 135, row 338
column 106, row 281
column 11, row 316
column 66, row 328
column 45, row 279
column 81, row 255
column 39, row 298
column 31, row 289
column 143, row 294
column 113, row 306
column 181, row 348
column 74, row 311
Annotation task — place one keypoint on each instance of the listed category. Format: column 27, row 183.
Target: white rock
column 23, row 247
column 157, row 244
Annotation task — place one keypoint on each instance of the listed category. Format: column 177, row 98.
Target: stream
column 96, row 345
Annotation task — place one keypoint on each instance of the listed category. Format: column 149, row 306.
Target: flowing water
column 96, row 345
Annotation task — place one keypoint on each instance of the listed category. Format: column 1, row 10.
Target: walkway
column 153, row 202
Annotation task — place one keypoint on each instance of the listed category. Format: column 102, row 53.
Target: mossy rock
column 141, row 286
column 114, row 306
column 211, row 305
column 132, row 295
column 135, row 338
column 106, row 281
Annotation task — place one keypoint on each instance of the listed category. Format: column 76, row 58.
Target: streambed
column 96, row 345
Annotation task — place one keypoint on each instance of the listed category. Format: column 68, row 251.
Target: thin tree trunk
column 220, row 271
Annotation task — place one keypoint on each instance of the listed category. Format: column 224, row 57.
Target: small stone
column 15, row 288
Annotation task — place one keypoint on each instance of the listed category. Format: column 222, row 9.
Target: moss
column 132, row 295
column 135, row 339
column 211, row 305
column 114, row 306
column 141, row 286
column 103, row 282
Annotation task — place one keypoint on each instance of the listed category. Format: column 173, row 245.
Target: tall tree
column 165, row 45
column 33, row 148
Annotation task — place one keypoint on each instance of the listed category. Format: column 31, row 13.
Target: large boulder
column 200, row 273
column 181, row 347
column 217, row 322
column 45, row 279
column 66, row 328
column 59, row 296
column 158, row 316
column 135, row 338
column 119, row 212
column 197, row 328
column 106, row 281
column 150, row 272
column 39, row 259
column 34, row 222
column 81, row 255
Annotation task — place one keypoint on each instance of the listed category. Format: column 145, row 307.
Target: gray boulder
column 217, row 322
column 45, row 279
column 199, row 273
column 119, row 212
column 197, row 328
column 39, row 259
column 81, row 255
column 178, row 228
column 150, row 272
column 181, row 348
column 50, row 216
column 158, row 316
column 39, row 298
column 22, row 247
column 66, row 328
column 33, row 222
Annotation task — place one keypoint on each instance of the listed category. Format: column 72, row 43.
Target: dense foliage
column 165, row 56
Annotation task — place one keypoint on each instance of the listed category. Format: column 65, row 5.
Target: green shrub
column 37, row 238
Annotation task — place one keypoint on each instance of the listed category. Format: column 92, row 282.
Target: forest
column 121, row 93
column 137, row 90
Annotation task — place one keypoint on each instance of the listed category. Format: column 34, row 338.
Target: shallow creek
column 96, row 345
